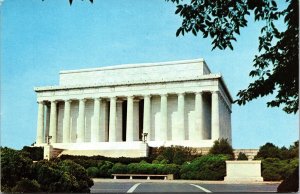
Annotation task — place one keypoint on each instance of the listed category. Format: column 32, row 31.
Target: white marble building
column 104, row 111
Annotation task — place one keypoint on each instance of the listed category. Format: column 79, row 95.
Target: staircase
column 55, row 152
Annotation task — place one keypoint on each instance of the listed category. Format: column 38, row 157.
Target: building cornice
column 112, row 84
column 202, row 77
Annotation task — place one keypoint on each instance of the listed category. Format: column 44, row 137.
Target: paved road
column 175, row 186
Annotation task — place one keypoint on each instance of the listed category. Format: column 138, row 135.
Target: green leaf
column 207, row 23
column 179, row 8
column 178, row 31
column 194, row 32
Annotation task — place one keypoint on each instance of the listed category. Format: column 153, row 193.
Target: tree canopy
column 276, row 67
column 222, row 146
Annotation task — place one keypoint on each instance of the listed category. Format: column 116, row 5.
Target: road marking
column 202, row 188
column 133, row 188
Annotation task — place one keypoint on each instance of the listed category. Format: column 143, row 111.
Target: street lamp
column 144, row 137
column 48, row 139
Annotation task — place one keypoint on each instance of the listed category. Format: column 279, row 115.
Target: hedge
column 88, row 161
column 208, row 167
column 146, row 168
column 104, row 169
column 35, row 153
column 274, row 169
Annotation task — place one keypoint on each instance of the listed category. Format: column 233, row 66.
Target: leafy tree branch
column 276, row 66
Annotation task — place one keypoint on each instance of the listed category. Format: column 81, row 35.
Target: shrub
column 84, row 161
column 119, row 168
column 147, row 168
column 222, row 146
column 274, row 169
column 242, row 156
column 20, row 174
column 79, row 173
column 208, row 167
column 291, row 183
column 268, row 150
column 105, row 169
column 142, row 168
column 88, row 161
column 61, row 176
column 169, row 169
column 48, row 175
column 155, row 162
column 289, row 168
column 271, row 174
column 15, row 165
column 26, row 186
column 174, row 154
column 93, row 172
column 35, row 153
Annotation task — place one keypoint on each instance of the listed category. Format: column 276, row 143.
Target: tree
column 222, row 146
column 175, row 154
column 242, row 156
column 276, row 66
column 268, row 150
column 294, row 150
column 15, row 165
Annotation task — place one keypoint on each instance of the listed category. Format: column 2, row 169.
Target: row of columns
column 196, row 134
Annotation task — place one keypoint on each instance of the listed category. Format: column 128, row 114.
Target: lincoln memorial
column 124, row 109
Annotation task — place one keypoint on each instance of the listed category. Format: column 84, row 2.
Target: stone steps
column 56, row 152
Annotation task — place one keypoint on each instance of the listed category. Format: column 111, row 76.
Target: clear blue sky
column 40, row 38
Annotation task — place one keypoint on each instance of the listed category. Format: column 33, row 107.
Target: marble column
column 164, row 117
column 104, row 121
column 112, row 120
column 40, row 123
column 147, row 116
column 129, row 123
column 200, row 132
column 81, row 121
column 136, row 119
column 53, row 121
column 95, row 132
column 66, row 122
column 119, row 121
column 180, row 132
column 47, row 126
column 215, row 123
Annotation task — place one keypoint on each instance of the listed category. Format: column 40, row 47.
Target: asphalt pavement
column 178, row 186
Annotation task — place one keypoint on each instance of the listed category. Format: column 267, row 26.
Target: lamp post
column 48, row 139
column 144, row 137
